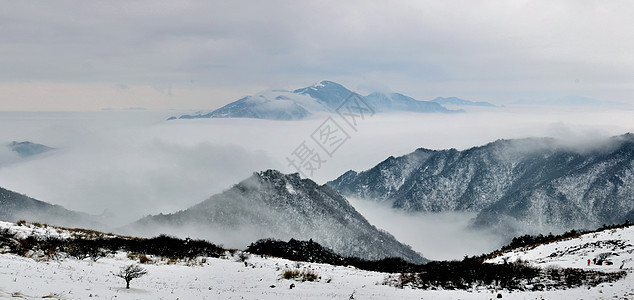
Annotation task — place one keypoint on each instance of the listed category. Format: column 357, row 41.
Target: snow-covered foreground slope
column 616, row 244
column 575, row 252
column 227, row 278
column 214, row 279
column 202, row 278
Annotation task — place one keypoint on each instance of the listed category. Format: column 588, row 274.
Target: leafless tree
column 130, row 272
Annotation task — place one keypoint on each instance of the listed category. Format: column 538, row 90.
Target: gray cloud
column 485, row 49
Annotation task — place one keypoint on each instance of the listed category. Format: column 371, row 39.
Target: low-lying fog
column 437, row 236
column 134, row 163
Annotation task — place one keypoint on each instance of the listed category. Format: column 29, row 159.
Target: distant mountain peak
column 319, row 85
column 324, row 96
column 325, row 84
column 26, row 148
column 278, row 180
column 269, row 173
column 461, row 102
column 272, row 174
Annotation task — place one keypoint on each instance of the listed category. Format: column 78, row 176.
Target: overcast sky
column 84, row 55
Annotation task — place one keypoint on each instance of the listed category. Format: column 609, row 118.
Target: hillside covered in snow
column 532, row 185
column 15, row 206
column 192, row 269
column 270, row 204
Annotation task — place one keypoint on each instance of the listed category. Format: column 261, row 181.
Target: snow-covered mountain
column 329, row 94
column 523, row 186
column 325, row 96
column 270, row 204
column 274, row 105
column 14, row 207
column 391, row 102
column 461, row 102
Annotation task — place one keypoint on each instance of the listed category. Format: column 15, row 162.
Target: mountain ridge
column 27, row 149
column 325, row 96
column 461, row 102
column 270, row 204
column 15, row 206
column 539, row 183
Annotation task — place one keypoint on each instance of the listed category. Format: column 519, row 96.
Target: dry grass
column 296, row 274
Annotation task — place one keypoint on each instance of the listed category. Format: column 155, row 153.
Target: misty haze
column 323, row 150
column 131, row 164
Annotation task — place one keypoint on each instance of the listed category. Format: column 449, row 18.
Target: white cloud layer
column 437, row 236
column 134, row 163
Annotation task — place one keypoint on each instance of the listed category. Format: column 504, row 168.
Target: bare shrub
column 130, row 272
column 243, row 256
column 290, row 274
column 144, row 259
column 296, row 274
